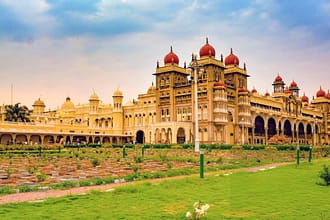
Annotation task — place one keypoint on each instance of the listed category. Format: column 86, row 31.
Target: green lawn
column 282, row 193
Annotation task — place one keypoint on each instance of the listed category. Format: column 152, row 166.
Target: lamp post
column 194, row 66
column 242, row 130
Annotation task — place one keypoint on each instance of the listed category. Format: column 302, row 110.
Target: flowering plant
column 200, row 210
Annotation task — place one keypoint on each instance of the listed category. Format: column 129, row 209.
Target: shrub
column 285, row 147
column 7, row 190
column 325, row 176
column 96, row 162
column 41, row 177
column 138, row 159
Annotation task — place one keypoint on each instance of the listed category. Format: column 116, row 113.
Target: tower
column 118, row 119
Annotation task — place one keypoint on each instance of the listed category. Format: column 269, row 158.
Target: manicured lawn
column 282, row 193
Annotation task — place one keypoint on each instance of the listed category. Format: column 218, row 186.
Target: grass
column 287, row 192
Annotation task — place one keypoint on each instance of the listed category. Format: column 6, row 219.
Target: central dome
column 207, row 50
column 68, row 105
column 171, row 58
column 39, row 102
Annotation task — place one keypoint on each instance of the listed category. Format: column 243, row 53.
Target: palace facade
column 227, row 111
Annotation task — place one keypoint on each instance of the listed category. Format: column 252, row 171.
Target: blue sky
column 54, row 48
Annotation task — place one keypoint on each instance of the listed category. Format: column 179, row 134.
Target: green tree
column 17, row 113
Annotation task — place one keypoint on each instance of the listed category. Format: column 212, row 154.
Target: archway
column 97, row 140
column 287, row 128
column 139, row 137
column 106, row 140
column 79, row 139
column 271, row 127
column 49, row 139
column 180, row 136
column 259, row 126
column 35, row 139
column 21, row 139
column 6, row 139
column 169, row 136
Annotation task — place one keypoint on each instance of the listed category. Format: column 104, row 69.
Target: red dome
column 232, row 59
column 207, row 50
column 293, row 84
column 267, row 94
column 254, row 90
column 216, row 84
column 328, row 95
column 320, row 93
column 171, row 58
column 304, row 98
column 278, row 78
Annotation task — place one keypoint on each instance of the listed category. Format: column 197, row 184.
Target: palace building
column 227, row 111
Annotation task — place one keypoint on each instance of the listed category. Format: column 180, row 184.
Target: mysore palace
column 227, row 111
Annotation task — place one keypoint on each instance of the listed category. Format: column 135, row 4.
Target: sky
column 52, row 49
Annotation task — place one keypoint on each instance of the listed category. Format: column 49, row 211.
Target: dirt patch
column 40, row 196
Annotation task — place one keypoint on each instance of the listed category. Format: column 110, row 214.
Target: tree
column 17, row 113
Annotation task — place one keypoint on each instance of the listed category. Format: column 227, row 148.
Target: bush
column 325, row 176
column 285, row 147
column 7, row 190
column 96, row 162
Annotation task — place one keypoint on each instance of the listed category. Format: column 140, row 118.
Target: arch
column 163, row 135
column 271, row 127
column 106, row 140
column 287, row 128
column 90, row 140
column 139, row 137
column 259, row 126
column 60, row 139
column 309, row 129
column 169, row 136
column 301, row 131
column 21, row 139
column 97, row 140
column 180, row 136
column 6, row 139
column 35, row 139
column 67, row 140
column 49, row 139
column 79, row 139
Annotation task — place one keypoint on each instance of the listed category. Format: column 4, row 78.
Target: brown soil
column 36, row 196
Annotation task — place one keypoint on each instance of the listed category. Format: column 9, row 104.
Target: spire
column 171, row 49
column 184, row 65
column 157, row 63
column 221, row 57
column 207, row 40
column 244, row 66
column 231, row 50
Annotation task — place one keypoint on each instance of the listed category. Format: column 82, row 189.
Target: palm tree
column 17, row 113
